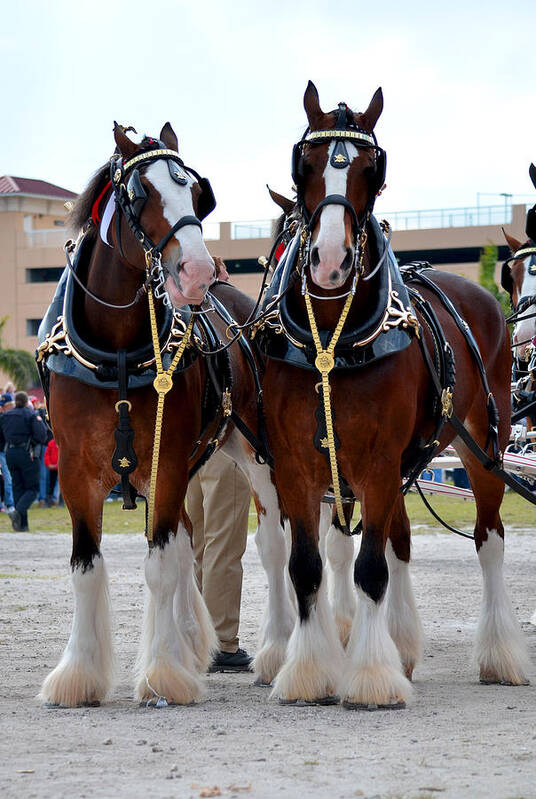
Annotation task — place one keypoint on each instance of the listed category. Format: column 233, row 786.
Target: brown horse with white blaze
column 383, row 408
column 156, row 198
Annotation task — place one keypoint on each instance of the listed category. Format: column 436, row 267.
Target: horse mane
column 279, row 224
column 81, row 210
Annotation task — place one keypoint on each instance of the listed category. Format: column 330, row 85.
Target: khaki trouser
column 218, row 504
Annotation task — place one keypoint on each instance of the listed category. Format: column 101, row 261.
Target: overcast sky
column 459, row 84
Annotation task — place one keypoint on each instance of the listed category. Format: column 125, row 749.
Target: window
column 32, row 326
column 46, row 274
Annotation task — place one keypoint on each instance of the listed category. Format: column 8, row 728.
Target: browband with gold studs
column 151, row 154
column 523, row 251
column 341, row 134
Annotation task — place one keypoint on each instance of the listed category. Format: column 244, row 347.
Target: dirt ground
column 457, row 739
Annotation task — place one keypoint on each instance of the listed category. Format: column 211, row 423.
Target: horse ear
column 513, row 243
column 532, row 173
column 286, row 205
column 126, row 146
column 168, row 136
column 311, row 103
column 369, row 117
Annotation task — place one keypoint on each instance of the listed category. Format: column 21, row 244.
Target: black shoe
column 16, row 521
column 231, row 661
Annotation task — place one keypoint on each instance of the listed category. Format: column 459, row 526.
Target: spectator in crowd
column 51, row 463
column 37, row 405
column 218, row 501
column 22, row 434
column 7, row 402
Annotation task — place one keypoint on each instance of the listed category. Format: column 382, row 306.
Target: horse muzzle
column 189, row 284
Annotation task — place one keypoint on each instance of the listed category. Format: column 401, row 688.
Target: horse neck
column 111, row 279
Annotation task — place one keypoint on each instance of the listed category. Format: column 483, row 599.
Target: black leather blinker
column 206, row 201
column 137, row 195
column 177, row 173
column 506, row 278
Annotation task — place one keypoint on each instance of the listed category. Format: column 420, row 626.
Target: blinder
column 136, row 193
column 206, row 202
column 506, row 278
column 530, row 227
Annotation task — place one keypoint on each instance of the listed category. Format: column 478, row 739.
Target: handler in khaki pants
column 218, row 505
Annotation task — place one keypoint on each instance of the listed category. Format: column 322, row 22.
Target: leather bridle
column 124, row 202
column 345, row 130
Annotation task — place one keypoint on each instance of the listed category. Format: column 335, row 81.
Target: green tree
column 486, row 276
column 18, row 364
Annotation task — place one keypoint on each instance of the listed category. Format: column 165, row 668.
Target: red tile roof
column 12, row 185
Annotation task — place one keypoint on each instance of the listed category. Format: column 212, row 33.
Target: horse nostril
column 315, row 257
column 348, row 260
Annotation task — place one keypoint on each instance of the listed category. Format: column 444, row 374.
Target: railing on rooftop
column 263, row 229
column 252, row 230
column 449, row 217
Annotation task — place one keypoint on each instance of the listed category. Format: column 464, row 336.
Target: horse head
column 518, row 278
column 338, row 170
column 161, row 203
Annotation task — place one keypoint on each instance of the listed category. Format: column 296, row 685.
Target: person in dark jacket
column 22, row 434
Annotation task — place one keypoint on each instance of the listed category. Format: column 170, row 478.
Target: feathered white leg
column 501, row 651
column 166, row 665
column 85, row 672
column 190, row 611
column 340, row 558
column 402, row 618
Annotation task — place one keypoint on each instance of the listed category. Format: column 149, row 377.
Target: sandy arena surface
column 457, row 739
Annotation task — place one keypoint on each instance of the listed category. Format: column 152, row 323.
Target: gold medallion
column 324, row 362
column 163, row 383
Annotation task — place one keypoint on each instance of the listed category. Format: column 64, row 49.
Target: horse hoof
column 58, row 706
column 484, row 681
column 370, row 707
column 260, row 683
column 321, row 700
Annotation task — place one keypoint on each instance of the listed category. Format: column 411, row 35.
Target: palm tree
column 18, row 364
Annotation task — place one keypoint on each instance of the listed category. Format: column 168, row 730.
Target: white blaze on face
column 525, row 329
column 331, row 234
column 190, row 263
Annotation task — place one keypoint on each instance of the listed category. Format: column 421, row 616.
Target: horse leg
column 166, row 664
column 501, row 651
column 312, row 670
column 279, row 614
column 189, row 609
column 374, row 676
column 402, row 619
column 340, row 552
column 85, row 672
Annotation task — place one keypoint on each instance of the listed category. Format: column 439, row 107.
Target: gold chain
column 162, row 383
column 324, row 362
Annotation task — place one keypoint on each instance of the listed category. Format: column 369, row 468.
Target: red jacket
column 51, row 455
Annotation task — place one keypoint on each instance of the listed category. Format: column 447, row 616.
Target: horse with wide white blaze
column 141, row 390
column 366, row 375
